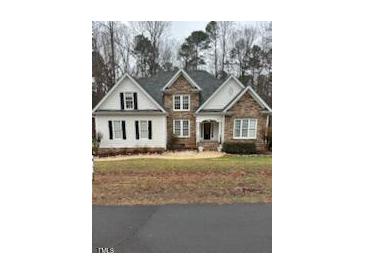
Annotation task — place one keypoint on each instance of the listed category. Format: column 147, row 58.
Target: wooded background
column 145, row 48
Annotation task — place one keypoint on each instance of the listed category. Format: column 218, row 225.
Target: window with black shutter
column 150, row 129
column 122, row 101
column 135, row 100
column 137, row 130
column 110, row 130
column 123, row 130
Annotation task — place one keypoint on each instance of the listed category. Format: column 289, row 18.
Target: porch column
column 197, row 131
column 222, row 127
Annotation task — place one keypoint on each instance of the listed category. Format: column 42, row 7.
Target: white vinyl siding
column 181, row 102
column 113, row 101
column 181, row 128
column 224, row 95
column 245, row 128
column 129, row 100
column 159, row 130
column 143, row 129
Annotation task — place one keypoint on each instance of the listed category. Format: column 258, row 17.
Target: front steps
column 209, row 145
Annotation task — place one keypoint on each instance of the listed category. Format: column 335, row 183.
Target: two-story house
column 179, row 109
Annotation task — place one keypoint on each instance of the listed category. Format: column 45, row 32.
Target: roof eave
column 128, row 113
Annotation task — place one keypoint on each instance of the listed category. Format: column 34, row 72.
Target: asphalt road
column 183, row 228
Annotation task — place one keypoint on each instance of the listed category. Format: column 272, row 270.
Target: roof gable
column 148, row 99
column 254, row 95
column 183, row 73
column 223, row 94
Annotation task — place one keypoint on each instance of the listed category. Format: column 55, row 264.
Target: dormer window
column 181, row 102
column 129, row 101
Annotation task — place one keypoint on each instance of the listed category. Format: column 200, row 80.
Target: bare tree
column 225, row 29
column 213, row 33
column 155, row 31
column 113, row 41
column 107, row 47
column 264, row 30
column 124, row 46
column 167, row 54
column 244, row 41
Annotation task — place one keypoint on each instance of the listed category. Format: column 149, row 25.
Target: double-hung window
column 143, row 129
column 181, row 102
column 245, row 128
column 129, row 101
column 181, row 128
column 117, row 130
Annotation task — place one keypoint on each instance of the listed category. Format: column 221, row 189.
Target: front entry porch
column 209, row 131
column 209, row 134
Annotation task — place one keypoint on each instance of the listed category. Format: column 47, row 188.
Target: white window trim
column 181, row 102
column 140, row 129
column 241, row 137
column 181, row 128
column 125, row 100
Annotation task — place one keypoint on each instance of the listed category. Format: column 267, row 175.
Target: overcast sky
column 179, row 30
column 182, row 29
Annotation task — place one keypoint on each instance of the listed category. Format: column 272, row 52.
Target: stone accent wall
column 246, row 107
column 181, row 86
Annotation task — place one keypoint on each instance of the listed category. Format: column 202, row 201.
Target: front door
column 207, row 129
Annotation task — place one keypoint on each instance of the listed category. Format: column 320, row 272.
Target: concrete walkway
column 183, row 155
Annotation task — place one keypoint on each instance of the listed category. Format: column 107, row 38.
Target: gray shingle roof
column 206, row 81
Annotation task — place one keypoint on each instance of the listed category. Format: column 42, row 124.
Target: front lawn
column 229, row 179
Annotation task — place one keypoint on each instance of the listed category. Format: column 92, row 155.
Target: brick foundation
column 104, row 152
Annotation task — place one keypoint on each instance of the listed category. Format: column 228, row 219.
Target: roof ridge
column 153, row 85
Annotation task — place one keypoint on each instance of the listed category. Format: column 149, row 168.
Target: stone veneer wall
column 181, row 86
column 246, row 107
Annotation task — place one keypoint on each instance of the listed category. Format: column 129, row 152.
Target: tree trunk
column 223, row 52
column 111, row 27
column 196, row 58
column 215, row 59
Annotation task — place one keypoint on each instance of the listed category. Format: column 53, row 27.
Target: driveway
column 183, row 228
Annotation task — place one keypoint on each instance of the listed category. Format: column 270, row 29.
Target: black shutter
column 137, row 130
column 150, row 130
column 135, row 100
column 110, row 130
column 121, row 100
column 123, row 130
